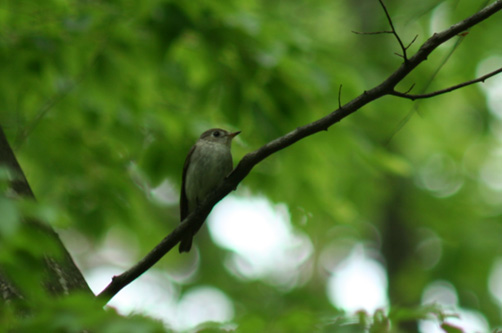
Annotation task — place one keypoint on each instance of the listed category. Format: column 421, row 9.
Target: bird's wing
column 183, row 195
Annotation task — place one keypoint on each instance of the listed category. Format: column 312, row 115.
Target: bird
column 208, row 162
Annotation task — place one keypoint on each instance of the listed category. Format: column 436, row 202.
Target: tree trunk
column 60, row 274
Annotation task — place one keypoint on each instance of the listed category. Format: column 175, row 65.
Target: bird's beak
column 232, row 135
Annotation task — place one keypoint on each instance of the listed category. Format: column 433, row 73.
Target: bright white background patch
column 262, row 240
column 358, row 283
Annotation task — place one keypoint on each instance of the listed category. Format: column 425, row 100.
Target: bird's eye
column 216, row 134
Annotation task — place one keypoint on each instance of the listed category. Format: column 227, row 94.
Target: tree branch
column 250, row 160
column 443, row 91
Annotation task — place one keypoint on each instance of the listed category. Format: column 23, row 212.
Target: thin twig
column 58, row 97
column 412, row 41
column 410, row 89
column 394, row 32
column 443, row 91
column 55, row 99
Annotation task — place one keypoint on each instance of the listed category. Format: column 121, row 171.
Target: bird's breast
column 208, row 165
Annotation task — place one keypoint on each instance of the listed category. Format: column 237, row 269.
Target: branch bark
column 250, row 160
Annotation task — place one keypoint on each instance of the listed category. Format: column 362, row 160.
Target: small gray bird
column 207, row 164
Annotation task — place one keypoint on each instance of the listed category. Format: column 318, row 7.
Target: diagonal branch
column 250, row 160
column 446, row 90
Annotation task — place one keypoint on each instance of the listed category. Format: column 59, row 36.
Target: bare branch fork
column 392, row 32
column 387, row 87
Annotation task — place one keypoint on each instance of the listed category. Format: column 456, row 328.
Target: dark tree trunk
column 60, row 274
column 398, row 249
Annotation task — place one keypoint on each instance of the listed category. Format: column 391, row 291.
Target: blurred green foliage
column 102, row 100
